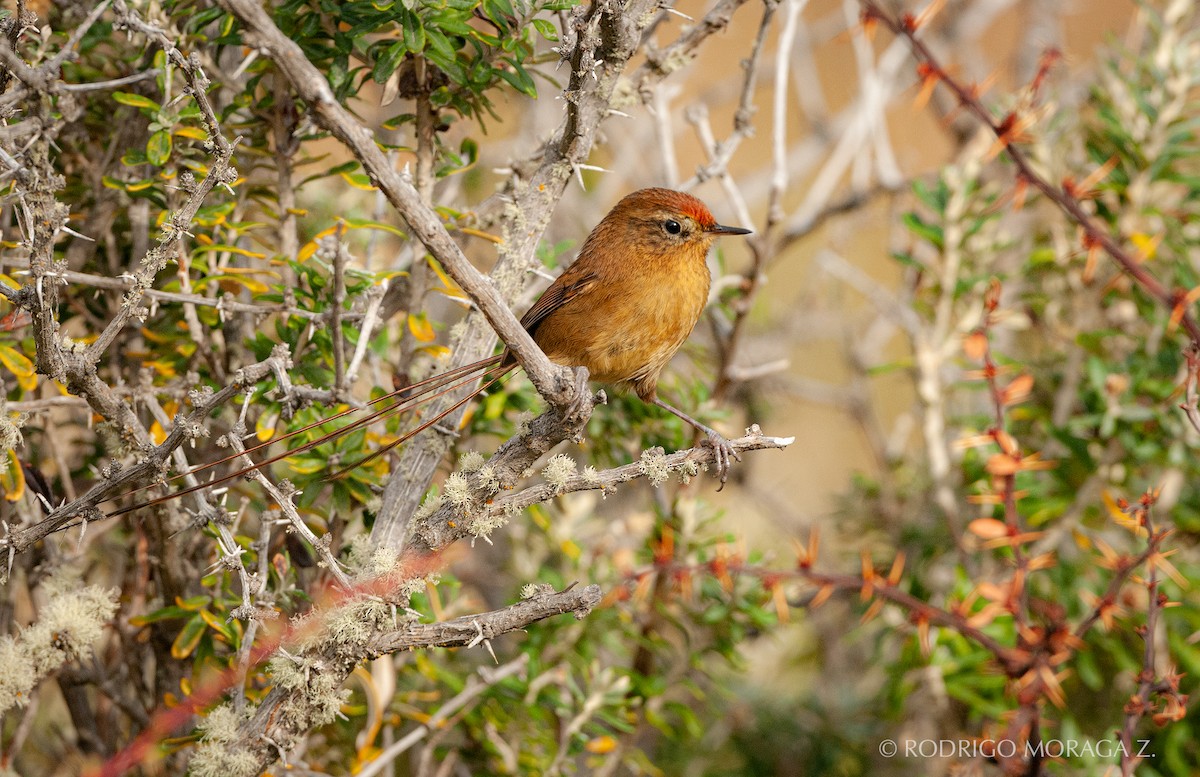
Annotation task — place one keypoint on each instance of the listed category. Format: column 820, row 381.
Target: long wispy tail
column 407, row 398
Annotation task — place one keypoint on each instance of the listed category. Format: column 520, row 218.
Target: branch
column 472, row 630
column 1006, row 131
column 86, row 505
column 653, row 465
column 289, row 711
column 550, row 380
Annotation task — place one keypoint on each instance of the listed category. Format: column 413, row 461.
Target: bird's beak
column 718, row 229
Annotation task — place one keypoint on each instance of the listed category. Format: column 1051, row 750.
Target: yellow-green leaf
column 358, row 181
column 420, row 327
column 451, row 288
column 368, row 224
column 136, row 100
column 192, row 133
column 158, row 148
column 252, row 285
column 307, row 465
column 264, row 427
column 12, row 476
column 16, row 362
column 436, row 351
column 219, row 247
column 189, row 637
column 193, row 603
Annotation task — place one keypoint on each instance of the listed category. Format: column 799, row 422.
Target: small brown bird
column 622, row 309
column 633, row 297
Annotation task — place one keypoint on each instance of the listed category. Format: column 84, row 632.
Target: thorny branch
column 286, row 714
column 313, row 88
column 1008, row 131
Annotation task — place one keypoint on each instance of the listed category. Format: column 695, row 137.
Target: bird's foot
column 723, row 452
column 582, row 404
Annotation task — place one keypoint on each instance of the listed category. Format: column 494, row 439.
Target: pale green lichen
column 457, row 491
column 687, row 470
column 559, row 470
column 17, row 673
column 353, row 623
column 488, row 479
column 523, row 421
column 624, row 95
column 219, row 760
column 10, row 429
column 407, row 589
column 223, row 724
column 69, row 623
column 431, row 505
column 653, row 465
column 471, row 461
column 359, row 555
column 487, row 523
column 591, row 477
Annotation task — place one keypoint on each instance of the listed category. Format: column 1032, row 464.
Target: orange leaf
column 1002, row 464
column 1006, row 441
column 1018, row 389
column 601, row 745
column 820, row 597
column 975, row 345
column 987, row 528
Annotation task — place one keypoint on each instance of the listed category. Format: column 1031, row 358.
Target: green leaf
column 388, row 61
column 414, row 31
column 136, row 100
column 441, row 53
column 518, row 78
column 922, row 228
column 188, row 637
column 158, row 148
column 545, row 29
column 165, row 613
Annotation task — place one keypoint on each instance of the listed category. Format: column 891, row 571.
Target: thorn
column 580, row 167
column 79, row 235
column 479, row 637
column 249, row 60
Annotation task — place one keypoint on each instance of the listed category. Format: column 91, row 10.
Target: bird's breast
column 626, row 329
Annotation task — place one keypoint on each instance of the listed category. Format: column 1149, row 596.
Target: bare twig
column 477, row 683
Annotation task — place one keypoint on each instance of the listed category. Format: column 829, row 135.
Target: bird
column 633, row 297
column 622, row 309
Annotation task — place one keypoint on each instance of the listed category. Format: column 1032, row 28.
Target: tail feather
column 427, row 385
column 459, row 377
column 496, row 374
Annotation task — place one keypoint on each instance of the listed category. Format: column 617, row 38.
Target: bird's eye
column 672, row 226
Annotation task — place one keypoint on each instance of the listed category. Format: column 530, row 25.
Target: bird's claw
column 583, row 401
column 723, row 451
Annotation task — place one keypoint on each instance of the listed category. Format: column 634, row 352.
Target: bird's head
column 664, row 222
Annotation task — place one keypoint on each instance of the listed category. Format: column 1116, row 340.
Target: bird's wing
column 568, row 286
